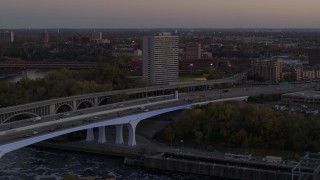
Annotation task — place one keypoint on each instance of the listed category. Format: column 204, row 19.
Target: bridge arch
column 22, row 114
column 64, row 108
column 104, row 101
column 85, row 104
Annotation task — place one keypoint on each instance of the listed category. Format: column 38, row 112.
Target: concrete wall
column 213, row 169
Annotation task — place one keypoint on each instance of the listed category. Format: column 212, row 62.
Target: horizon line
column 174, row 28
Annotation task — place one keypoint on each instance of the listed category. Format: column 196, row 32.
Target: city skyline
column 159, row 14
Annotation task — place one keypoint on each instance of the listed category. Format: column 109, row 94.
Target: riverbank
column 176, row 160
column 150, row 154
column 109, row 148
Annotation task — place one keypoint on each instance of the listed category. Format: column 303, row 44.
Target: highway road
column 112, row 111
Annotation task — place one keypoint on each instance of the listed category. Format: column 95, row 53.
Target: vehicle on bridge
column 273, row 159
column 225, row 90
column 239, row 157
column 35, row 119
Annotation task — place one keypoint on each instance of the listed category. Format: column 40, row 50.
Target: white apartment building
column 160, row 58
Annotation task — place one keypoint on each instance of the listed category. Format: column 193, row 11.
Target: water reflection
column 31, row 74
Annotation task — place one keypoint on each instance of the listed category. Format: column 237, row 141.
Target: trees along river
column 64, row 83
column 253, row 126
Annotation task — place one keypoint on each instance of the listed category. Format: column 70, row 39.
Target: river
column 31, row 74
column 46, row 164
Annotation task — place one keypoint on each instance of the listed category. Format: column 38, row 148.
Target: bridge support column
column 132, row 133
column 176, row 94
column 52, row 109
column 102, row 135
column 90, row 136
column 74, row 106
column 96, row 102
column 119, row 134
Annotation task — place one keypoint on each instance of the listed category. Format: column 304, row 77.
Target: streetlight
column 191, row 65
column 211, row 66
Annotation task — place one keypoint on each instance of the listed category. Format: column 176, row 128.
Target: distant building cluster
column 193, row 51
column 95, row 38
column 273, row 56
column 277, row 69
column 6, row 37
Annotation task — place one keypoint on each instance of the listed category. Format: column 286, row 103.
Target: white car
column 35, row 119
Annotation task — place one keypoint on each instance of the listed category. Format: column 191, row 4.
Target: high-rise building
column 45, row 37
column 269, row 70
column 6, row 37
column 97, row 36
column 160, row 58
column 314, row 56
column 193, row 51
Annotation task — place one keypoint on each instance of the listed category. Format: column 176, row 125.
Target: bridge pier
column 74, row 106
column 96, row 102
column 132, row 132
column 52, row 109
column 102, row 135
column 176, row 94
column 90, row 136
column 119, row 134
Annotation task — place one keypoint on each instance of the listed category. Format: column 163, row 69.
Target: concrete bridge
column 74, row 103
column 17, row 138
column 15, row 135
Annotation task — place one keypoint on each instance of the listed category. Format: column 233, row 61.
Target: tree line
column 65, row 82
column 251, row 126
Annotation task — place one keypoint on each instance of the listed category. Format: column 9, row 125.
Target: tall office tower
column 6, row 37
column 269, row 69
column 193, row 51
column 45, row 37
column 96, row 36
column 160, row 58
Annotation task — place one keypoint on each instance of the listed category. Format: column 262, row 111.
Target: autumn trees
column 252, row 126
column 66, row 83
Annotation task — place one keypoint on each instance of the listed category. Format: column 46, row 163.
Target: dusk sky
column 160, row 13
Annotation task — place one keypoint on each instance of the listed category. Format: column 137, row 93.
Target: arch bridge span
column 51, row 107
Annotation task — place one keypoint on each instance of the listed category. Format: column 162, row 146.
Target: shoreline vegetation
column 63, row 83
column 253, row 128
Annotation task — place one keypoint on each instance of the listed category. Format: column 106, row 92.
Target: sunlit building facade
column 269, row 70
